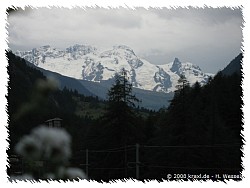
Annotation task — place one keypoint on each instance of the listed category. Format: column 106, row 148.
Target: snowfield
column 88, row 63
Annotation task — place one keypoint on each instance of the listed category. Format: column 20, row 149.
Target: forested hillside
column 200, row 132
column 201, row 129
column 33, row 99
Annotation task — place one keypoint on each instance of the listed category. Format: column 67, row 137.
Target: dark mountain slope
column 149, row 99
column 235, row 66
column 64, row 81
column 202, row 128
column 33, row 99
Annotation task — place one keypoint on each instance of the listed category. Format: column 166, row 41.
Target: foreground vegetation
column 200, row 132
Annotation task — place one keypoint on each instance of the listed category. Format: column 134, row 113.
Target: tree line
column 200, row 131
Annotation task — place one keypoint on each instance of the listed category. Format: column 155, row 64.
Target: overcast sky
column 209, row 37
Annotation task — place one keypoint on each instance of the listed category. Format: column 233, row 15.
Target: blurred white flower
column 74, row 173
column 21, row 178
column 48, row 147
column 45, row 143
column 55, row 143
column 69, row 173
column 29, row 148
column 60, row 173
column 50, row 176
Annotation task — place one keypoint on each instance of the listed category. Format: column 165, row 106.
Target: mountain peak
column 87, row 63
column 124, row 47
column 83, row 49
column 176, row 61
column 176, row 66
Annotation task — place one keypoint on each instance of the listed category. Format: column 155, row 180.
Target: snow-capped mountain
column 88, row 63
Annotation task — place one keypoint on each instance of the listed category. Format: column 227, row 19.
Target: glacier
column 85, row 62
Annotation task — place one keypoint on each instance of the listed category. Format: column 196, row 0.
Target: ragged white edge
column 131, row 4
column 246, row 93
column 127, row 4
column 3, row 92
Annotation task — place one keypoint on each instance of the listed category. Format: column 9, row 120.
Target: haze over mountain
column 86, row 62
column 208, row 37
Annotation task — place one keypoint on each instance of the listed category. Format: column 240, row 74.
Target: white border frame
column 127, row 4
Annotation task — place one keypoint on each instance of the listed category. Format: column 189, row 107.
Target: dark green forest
column 198, row 133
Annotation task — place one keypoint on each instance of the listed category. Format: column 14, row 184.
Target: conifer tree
column 119, row 127
column 182, row 84
column 121, row 91
column 120, row 114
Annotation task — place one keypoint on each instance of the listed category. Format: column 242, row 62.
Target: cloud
column 169, row 31
column 207, row 16
column 117, row 18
